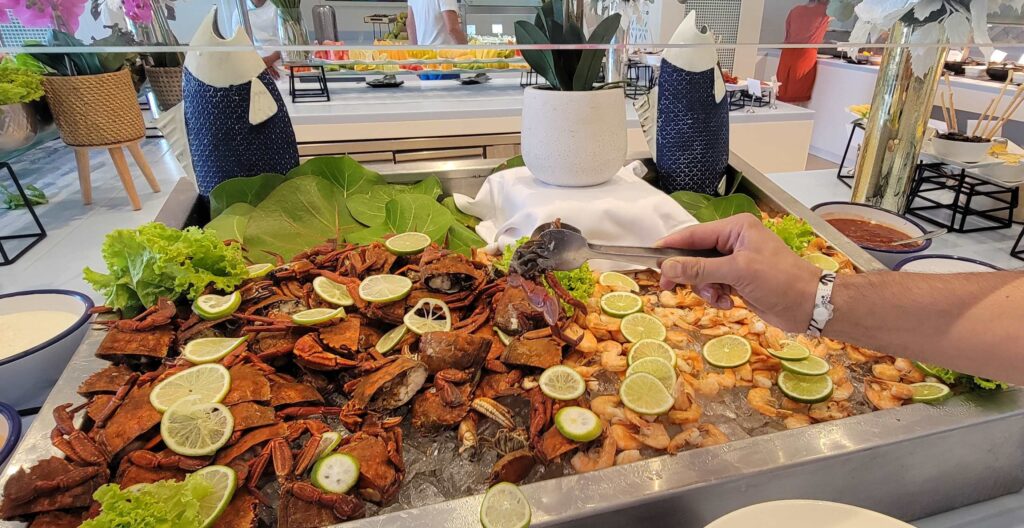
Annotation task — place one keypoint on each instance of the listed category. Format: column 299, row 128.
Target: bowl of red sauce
column 874, row 229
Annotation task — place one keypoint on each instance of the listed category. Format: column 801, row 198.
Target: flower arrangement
column 19, row 84
column 62, row 15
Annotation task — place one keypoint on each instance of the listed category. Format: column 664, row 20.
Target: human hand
column 270, row 60
column 775, row 283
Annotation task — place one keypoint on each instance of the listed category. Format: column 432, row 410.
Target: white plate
column 987, row 161
column 805, row 514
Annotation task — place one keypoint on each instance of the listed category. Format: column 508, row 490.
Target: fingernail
column 707, row 292
column 671, row 268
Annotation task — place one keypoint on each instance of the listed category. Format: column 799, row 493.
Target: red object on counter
column 798, row 67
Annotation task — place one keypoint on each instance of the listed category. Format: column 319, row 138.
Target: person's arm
column 410, row 26
column 453, row 26
column 967, row 322
column 270, row 60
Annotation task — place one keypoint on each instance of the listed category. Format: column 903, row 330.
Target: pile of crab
column 291, row 384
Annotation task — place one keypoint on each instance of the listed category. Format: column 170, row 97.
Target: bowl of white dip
column 39, row 330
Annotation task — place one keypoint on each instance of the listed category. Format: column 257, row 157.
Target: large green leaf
column 691, row 201
column 230, row 224
column 368, row 209
column 415, row 212
column 462, row 239
column 429, row 187
column 368, row 235
column 250, row 190
column 343, row 171
column 467, row 220
column 726, row 206
column 540, row 60
column 299, row 214
column 591, row 59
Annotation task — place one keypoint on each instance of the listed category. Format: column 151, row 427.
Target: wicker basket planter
column 166, row 84
column 95, row 110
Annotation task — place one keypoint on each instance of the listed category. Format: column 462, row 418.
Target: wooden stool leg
column 121, row 164
column 140, row 160
column 82, row 159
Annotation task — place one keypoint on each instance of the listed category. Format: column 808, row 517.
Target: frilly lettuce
column 164, row 504
column 796, row 233
column 579, row 282
column 951, row 377
column 155, row 261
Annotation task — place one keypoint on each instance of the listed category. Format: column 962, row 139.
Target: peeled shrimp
column 703, row 386
column 797, row 421
column 612, row 358
column 725, row 380
column 773, row 338
column 831, row 410
column 688, row 416
column 885, row 394
column 744, row 375
column 625, row 440
column 668, row 299
column 653, row 435
column 687, row 437
column 677, row 338
column 684, row 395
column 763, row 378
column 885, row 372
column 609, row 408
column 594, row 459
column 711, row 435
column 628, row 457
column 762, row 401
column 589, row 343
column 909, row 372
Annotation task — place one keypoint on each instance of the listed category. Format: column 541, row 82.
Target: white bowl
column 975, row 72
column 960, row 150
column 805, row 514
column 27, row 377
column 944, row 264
column 888, row 257
column 10, row 431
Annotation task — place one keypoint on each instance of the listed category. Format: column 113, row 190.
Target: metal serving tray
column 910, row 462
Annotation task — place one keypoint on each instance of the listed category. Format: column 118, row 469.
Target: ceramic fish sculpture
column 686, row 118
column 236, row 121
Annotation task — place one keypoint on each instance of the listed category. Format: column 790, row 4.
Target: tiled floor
column 75, row 231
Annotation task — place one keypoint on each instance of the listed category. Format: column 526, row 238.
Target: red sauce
column 872, row 235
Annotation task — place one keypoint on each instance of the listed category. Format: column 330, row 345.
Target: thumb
column 688, row 270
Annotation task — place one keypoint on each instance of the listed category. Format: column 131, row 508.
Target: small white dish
column 870, row 213
column 27, row 377
column 805, row 514
column 944, row 264
column 975, row 72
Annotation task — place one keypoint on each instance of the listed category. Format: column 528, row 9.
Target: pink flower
column 4, row 6
column 139, row 11
column 41, row 13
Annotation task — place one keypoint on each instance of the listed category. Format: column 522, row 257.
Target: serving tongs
column 565, row 248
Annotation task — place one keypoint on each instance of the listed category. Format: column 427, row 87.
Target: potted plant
column 20, row 86
column 290, row 30
column 574, row 130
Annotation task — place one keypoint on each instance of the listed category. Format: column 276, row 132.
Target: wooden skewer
column 1017, row 101
column 952, row 105
column 945, row 111
column 993, row 107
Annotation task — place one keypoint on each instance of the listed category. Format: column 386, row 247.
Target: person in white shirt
column 435, row 22
column 263, row 20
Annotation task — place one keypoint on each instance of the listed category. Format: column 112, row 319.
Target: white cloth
column 429, row 20
column 263, row 20
column 625, row 211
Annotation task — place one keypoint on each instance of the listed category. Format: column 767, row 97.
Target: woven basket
column 166, row 84
column 95, row 110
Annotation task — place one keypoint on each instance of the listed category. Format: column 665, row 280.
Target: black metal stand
column 528, row 78
column 1018, row 252
column 639, row 79
column 34, row 238
column 847, row 179
column 320, row 94
column 933, row 184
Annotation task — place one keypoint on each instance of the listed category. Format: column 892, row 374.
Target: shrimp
column 688, row 416
column 608, row 408
column 592, row 460
column 831, row 410
column 725, row 380
column 653, row 435
column 757, row 326
column 587, row 372
column 763, row 378
column 736, row 315
column 677, row 338
column 684, row 395
column 885, row 372
column 909, row 372
column 687, row 437
column 885, row 394
column 601, row 325
column 773, row 338
column 744, row 375
column 588, row 345
column 628, row 457
column 669, row 299
column 689, row 299
column 711, row 435
column 842, row 388
column 703, row 386
column 797, row 421
column 625, row 439
column 761, row 400
column 716, row 331
column 612, row 359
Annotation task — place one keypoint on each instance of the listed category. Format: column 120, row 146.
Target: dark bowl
column 998, row 73
column 956, row 68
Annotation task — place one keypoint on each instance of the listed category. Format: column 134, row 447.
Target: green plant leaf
column 462, row 239
column 511, row 163
column 301, row 213
column 431, row 187
column 250, row 190
column 343, row 171
column 540, row 60
column 415, row 212
column 726, row 206
column 467, row 220
column 368, row 209
column 591, row 59
column 230, row 224
column 691, row 201
column 368, row 235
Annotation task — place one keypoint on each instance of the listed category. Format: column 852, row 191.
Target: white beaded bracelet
column 823, row 309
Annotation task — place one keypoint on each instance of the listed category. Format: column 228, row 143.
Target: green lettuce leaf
column 344, row 172
column 464, row 240
column 163, row 504
column 987, row 384
column 368, row 235
column 230, row 224
column 250, row 190
column 301, row 213
column 796, row 233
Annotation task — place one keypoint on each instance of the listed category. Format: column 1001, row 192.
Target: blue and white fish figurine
column 236, row 121
column 686, row 117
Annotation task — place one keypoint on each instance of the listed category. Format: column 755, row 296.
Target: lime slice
column 504, row 506
column 211, row 349
column 207, row 383
column 384, row 288
column 259, row 270
column 211, row 306
column 822, row 261
column 407, row 243
column 657, row 367
column 224, row 481
column 645, row 394
column 621, row 304
column 805, row 389
column 809, row 366
column 562, row 383
column 928, row 392
column 332, row 292
column 727, row 351
column 318, row 316
column 392, row 338
column 502, row 336
column 640, row 326
column 328, row 443
column 577, row 423
column 196, row 429
column 336, row 473
column 791, row 351
column 429, row 315
column 618, row 280
column 651, row 348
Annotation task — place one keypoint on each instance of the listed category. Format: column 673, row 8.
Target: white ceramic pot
column 574, row 139
column 961, row 151
column 27, row 377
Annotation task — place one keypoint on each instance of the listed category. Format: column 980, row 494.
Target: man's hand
column 775, row 283
column 270, row 60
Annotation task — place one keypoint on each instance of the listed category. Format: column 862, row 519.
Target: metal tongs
column 567, row 249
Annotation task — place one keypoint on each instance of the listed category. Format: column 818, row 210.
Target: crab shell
column 541, row 353
column 49, row 469
column 379, row 479
column 453, row 350
column 448, row 272
column 430, row 414
column 514, row 314
column 391, row 386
